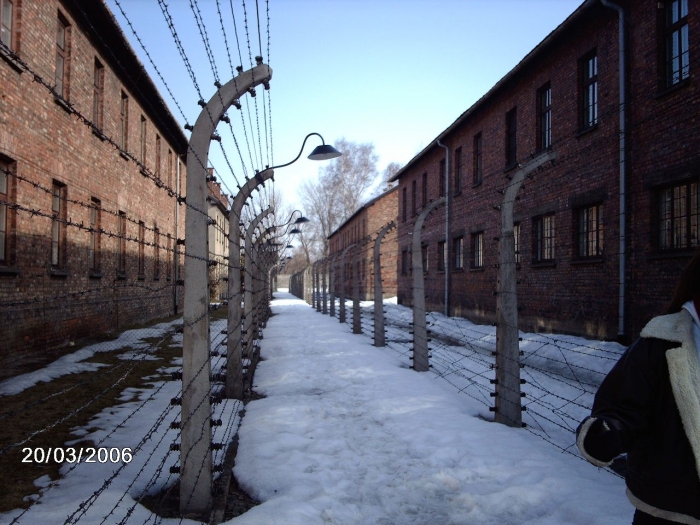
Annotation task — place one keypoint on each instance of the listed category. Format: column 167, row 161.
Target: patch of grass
column 44, row 415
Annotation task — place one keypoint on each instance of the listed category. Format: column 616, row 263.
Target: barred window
column 511, row 137
column 458, row 170
column 677, row 58
column 142, row 251
column 62, row 56
column 516, row 235
column 425, row 189
column 589, row 91
column 121, row 239
column 544, row 120
column 124, row 122
column 7, row 23
column 404, row 262
column 94, row 241
column 441, row 253
column 58, row 225
column 477, row 169
column 441, row 177
column 98, row 94
column 679, row 216
column 590, row 231
column 424, row 257
column 457, row 253
column 477, row 260
column 156, row 254
column 544, row 238
column 6, row 184
column 414, row 196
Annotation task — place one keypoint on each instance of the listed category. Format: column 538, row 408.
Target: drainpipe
column 447, row 227
column 175, row 254
column 623, row 171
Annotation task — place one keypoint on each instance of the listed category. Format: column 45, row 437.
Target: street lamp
column 322, row 152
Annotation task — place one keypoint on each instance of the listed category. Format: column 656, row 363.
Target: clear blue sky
column 391, row 72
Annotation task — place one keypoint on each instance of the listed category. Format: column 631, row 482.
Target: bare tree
column 391, row 170
column 338, row 191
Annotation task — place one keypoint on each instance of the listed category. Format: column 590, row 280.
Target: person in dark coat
column 649, row 407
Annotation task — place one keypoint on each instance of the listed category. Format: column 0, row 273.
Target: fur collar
column 683, row 370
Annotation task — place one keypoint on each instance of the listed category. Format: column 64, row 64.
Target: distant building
column 564, row 96
column 89, row 215
column 218, row 212
column 360, row 230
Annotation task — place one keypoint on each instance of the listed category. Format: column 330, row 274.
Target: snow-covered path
column 349, row 435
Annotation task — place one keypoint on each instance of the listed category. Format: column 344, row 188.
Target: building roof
column 537, row 52
column 99, row 25
column 363, row 207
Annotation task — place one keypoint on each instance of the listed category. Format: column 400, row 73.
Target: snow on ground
column 349, row 435
column 72, row 363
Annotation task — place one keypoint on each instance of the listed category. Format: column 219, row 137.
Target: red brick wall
column 39, row 307
column 362, row 228
column 571, row 295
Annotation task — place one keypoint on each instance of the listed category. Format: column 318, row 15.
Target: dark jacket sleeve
column 622, row 408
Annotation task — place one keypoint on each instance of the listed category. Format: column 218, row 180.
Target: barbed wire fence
column 118, row 396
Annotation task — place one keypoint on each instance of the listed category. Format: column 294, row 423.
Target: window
column 425, row 189
column 516, row 236
column 170, row 169
column 62, row 56
column 589, row 91
column 6, row 218
column 477, row 160
column 404, row 262
column 58, row 225
column 441, row 177
column 544, row 117
column 156, row 254
column 142, row 254
column 457, row 255
column 143, row 141
column 441, row 253
column 94, row 241
column 679, row 216
column 157, row 156
column 676, row 55
column 511, row 136
column 124, row 122
column 590, row 231
column 458, row 170
column 544, row 238
column 414, row 196
column 424, row 257
column 98, row 94
column 477, row 250
column 121, row 239
column 404, row 204
column 7, row 23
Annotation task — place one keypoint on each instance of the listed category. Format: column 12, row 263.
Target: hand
column 603, row 440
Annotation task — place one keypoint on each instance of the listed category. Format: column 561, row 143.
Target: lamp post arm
column 300, row 151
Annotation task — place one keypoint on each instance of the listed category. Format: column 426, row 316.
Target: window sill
column 58, row 273
column 587, row 260
column 585, row 131
column 121, row 276
column 141, row 278
column 477, row 184
column 676, row 254
column 458, row 193
column 510, row 167
column 10, row 271
column 63, row 104
column 477, row 269
column 95, row 274
column 671, row 89
column 14, row 65
column 156, row 278
column 544, row 264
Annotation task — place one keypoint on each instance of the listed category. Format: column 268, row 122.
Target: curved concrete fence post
column 420, row 332
column 379, row 335
column 508, row 399
column 195, row 450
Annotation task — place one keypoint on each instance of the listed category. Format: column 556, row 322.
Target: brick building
column 361, row 229
column 578, row 272
column 89, row 178
column 218, row 213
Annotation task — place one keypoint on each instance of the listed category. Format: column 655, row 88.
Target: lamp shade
column 301, row 220
column 295, row 231
column 324, row 152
